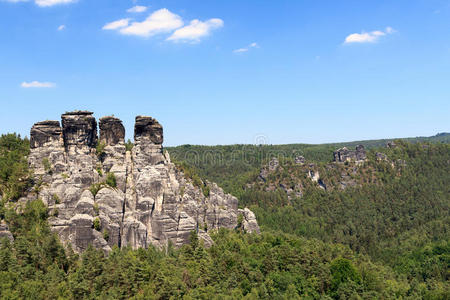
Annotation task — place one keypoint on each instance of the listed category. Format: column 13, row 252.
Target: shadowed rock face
column 344, row 154
column 112, row 131
column 79, row 129
column 147, row 128
column 152, row 204
column 45, row 132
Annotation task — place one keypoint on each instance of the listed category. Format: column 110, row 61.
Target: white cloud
column 137, row 9
column 37, row 84
column 245, row 49
column 164, row 21
column 368, row 37
column 45, row 3
column 116, row 24
column 195, row 30
column 160, row 21
column 61, row 27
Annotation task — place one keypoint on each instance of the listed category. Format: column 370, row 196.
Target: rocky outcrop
column 5, row 233
column 344, row 154
column 98, row 193
column 112, row 131
column 299, row 160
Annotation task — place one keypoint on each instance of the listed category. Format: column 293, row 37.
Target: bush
column 206, row 190
column 111, row 180
column 96, row 187
column 56, row 199
column 47, row 166
column 96, row 224
column 129, row 145
column 100, row 150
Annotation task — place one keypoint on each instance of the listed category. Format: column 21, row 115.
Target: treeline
column 387, row 240
column 237, row 266
column 400, row 220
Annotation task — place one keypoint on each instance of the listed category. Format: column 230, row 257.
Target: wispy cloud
column 116, row 24
column 37, row 84
column 61, row 27
column 44, row 3
column 368, row 37
column 137, row 9
column 53, row 2
column 245, row 49
column 163, row 21
column 195, row 30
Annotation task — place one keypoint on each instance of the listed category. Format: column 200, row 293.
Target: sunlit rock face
column 150, row 203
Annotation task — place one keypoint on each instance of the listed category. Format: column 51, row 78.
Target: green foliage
column 99, row 170
column 240, row 221
column 206, row 190
column 100, row 150
column 95, row 187
column 386, row 238
column 47, row 165
column 96, row 209
column 396, row 215
column 14, row 173
column 96, row 224
column 111, row 180
column 56, row 199
column 342, row 272
column 129, row 145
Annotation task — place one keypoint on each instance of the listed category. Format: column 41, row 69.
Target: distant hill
column 227, row 164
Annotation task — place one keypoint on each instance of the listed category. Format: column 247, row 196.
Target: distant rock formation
column 299, row 160
column 344, row 154
column 149, row 201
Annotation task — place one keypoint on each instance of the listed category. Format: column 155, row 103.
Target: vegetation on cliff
column 384, row 238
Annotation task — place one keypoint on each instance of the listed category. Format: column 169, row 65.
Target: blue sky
column 223, row 72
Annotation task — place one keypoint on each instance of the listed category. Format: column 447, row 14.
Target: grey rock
column 300, row 160
column 344, row 154
column 5, row 233
column 391, row 144
column 249, row 221
column 45, row 132
column 112, row 131
column 381, row 156
column 152, row 204
column 79, row 128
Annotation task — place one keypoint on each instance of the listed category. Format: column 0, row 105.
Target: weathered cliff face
column 152, row 201
column 343, row 154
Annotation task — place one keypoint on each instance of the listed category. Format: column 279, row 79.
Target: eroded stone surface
column 152, row 203
column 344, row 154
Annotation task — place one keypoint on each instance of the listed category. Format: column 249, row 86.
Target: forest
column 387, row 237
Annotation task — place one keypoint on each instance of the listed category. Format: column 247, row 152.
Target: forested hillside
column 384, row 237
column 396, row 209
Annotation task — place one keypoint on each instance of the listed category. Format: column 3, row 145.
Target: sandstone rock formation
column 344, row 154
column 98, row 193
